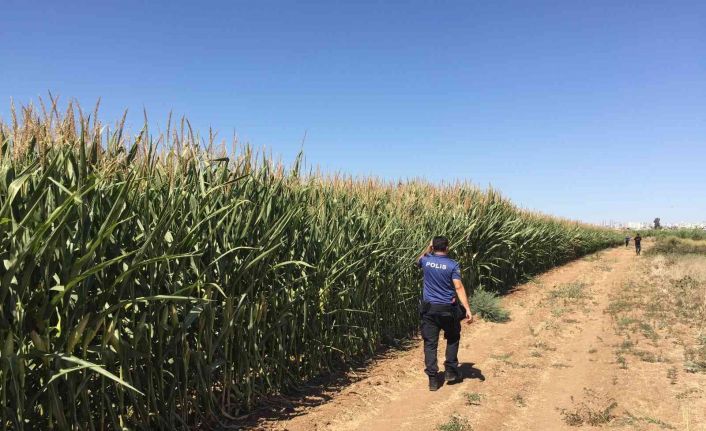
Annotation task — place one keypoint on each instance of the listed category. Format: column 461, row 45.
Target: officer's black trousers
column 432, row 323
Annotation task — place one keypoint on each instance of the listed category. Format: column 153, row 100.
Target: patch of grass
column 456, row 423
column 533, row 332
column 572, row 418
column 519, row 400
column 620, row 360
column 686, row 233
column 592, row 350
column 627, row 346
column 662, row 424
column 648, row 331
column 534, row 280
column 695, row 367
column 605, row 267
column 502, row 357
column 625, row 322
column 619, row 306
column 473, row 398
column 673, row 245
column 487, row 306
column 569, row 291
column 646, row 356
column 560, row 365
column 543, row 346
column 516, row 365
column 672, row 375
column 664, row 300
column 595, row 410
column 695, row 357
column 558, row 311
column 505, row 359
column 631, row 419
column 536, row 354
column 685, row 394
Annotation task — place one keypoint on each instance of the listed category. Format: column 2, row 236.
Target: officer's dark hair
column 440, row 243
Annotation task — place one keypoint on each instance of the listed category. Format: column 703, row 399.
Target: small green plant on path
column 473, row 398
column 631, row 419
column 456, row 423
column 685, row 394
column 596, row 410
column 519, row 400
column 672, row 375
column 620, row 360
column 570, row 291
column 543, row 346
column 560, row 365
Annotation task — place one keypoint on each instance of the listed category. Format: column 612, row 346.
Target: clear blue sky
column 590, row 110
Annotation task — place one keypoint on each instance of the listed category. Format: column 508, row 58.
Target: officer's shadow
column 468, row 371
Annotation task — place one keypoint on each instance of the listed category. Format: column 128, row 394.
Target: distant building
column 637, row 225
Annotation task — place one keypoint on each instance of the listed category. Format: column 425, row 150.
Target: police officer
column 440, row 309
column 638, row 246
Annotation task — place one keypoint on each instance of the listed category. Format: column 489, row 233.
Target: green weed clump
column 473, row 398
column 487, row 306
column 686, row 233
column 456, row 423
column 574, row 291
column 674, row 245
column 159, row 282
column 696, row 357
column 594, row 410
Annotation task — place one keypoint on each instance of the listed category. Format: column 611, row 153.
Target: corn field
column 157, row 281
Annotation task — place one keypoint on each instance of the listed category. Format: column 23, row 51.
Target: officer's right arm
column 428, row 250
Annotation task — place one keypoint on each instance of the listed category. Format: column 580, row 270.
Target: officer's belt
column 442, row 307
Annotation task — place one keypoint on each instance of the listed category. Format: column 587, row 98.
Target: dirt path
column 558, row 352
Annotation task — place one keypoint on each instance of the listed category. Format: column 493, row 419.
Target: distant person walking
column 637, row 240
column 627, row 241
column 439, row 309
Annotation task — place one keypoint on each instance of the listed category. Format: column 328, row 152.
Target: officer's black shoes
column 434, row 383
column 451, row 375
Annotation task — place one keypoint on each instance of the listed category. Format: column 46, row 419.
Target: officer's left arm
column 461, row 293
